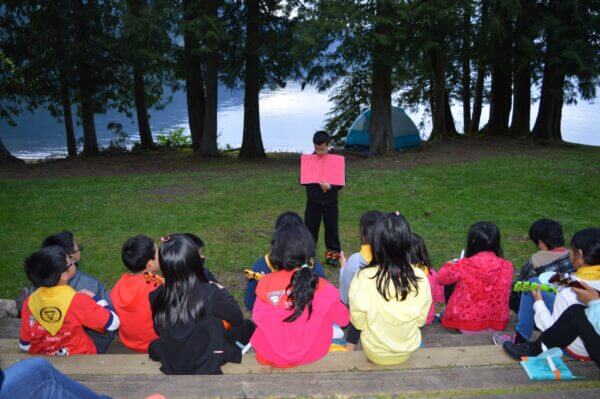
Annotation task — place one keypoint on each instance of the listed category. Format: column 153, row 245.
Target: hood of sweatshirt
column 130, row 291
column 482, row 271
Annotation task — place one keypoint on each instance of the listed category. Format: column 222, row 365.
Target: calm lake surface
column 289, row 117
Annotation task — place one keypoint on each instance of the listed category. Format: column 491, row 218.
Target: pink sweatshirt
column 303, row 341
column 437, row 294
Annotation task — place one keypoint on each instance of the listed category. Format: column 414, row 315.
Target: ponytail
column 293, row 245
column 302, row 292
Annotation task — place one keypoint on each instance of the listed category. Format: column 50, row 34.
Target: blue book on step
column 538, row 367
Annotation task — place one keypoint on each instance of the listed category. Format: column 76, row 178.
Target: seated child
column 419, row 257
column 576, row 321
column 349, row 267
column 81, row 282
column 584, row 255
column 389, row 301
column 53, row 317
column 295, row 310
column 264, row 266
column 199, row 324
column 130, row 296
column 547, row 236
column 482, row 283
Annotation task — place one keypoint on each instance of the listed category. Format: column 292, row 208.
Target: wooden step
column 426, row 358
column 508, row 380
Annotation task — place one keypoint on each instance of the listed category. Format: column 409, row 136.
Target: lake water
column 289, row 117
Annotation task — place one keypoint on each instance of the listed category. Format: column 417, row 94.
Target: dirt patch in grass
column 462, row 150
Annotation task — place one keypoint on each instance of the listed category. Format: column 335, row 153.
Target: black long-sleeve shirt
column 199, row 347
column 314, row 193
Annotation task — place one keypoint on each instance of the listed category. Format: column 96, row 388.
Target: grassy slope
column 233, row 208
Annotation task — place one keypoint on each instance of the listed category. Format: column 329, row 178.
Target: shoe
column 518, row 351
column 499, row 338
column 332, row 258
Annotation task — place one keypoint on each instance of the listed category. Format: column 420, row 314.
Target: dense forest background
column 91, row 56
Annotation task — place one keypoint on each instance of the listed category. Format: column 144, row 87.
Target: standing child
column 419, row 257
column 322, row 203
column 389, row 302
column 295, row 310
column 53, row 317
column 482, row 283
column 130, row 296
column 264, row 266
column 190, row 315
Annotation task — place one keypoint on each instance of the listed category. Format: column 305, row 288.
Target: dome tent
column 404, row 131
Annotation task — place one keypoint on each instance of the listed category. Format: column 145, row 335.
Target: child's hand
column 537, row 295
column 587, row 294
column 325, row 186
column 87, row 292
column 342, row 260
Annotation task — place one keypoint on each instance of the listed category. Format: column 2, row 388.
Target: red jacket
column 130, row 297
column 480, row 298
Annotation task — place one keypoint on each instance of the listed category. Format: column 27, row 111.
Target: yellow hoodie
column 389, row 330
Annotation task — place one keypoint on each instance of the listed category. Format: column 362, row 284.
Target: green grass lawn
column 233, row 208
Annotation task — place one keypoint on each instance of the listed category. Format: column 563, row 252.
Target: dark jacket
column 314, row 193
column 199, row 347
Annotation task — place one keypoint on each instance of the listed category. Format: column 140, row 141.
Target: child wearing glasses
column 54, row 315
column 80, row 282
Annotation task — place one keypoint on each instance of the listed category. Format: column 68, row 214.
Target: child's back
column 130, row 298
column 306, row 339
column 390, row 328
column 480, row 298
column 68, row 310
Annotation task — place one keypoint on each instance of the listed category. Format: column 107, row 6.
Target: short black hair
column 321, row 137
column 44, row 267
column 548, row 231
column 63, row 239
column 588, row 240
column 137, row 251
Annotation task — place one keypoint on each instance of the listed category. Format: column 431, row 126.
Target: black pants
column 571, row 324
column 315, row 211
column 352, row 334
column 241, row 333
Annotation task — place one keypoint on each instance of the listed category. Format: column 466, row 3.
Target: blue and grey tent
column 404, row 131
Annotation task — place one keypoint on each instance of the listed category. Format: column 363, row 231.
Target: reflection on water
column 289, row 117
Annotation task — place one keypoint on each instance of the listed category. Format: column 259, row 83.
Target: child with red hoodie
column 130, row 296
column 295, row 310
column 482, row 283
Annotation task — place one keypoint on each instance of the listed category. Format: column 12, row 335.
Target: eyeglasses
column 79, row 248
column 71, row 262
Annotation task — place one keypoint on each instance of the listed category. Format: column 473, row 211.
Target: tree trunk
column 67, row 114
column 209, row 138
column 194, row 85
column 86, row 84
column 521, row 115
column 141, row 108
column 252, row 145
column 381, row 138
column 466, row 68
column 482, row 69
column 500, row 97
column 443, row 123
column 547, row 123
column 6, row 156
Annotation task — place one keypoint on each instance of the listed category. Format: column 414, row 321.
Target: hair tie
column 165, row 238
column 397, row 213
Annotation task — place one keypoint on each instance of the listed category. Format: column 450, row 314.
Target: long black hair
column 483, row 236
column 418, row 252
column 294, row 248
column 179, row 302
column 392, row 240
column 288, row 217
column 367, row 222
column 588, row 241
